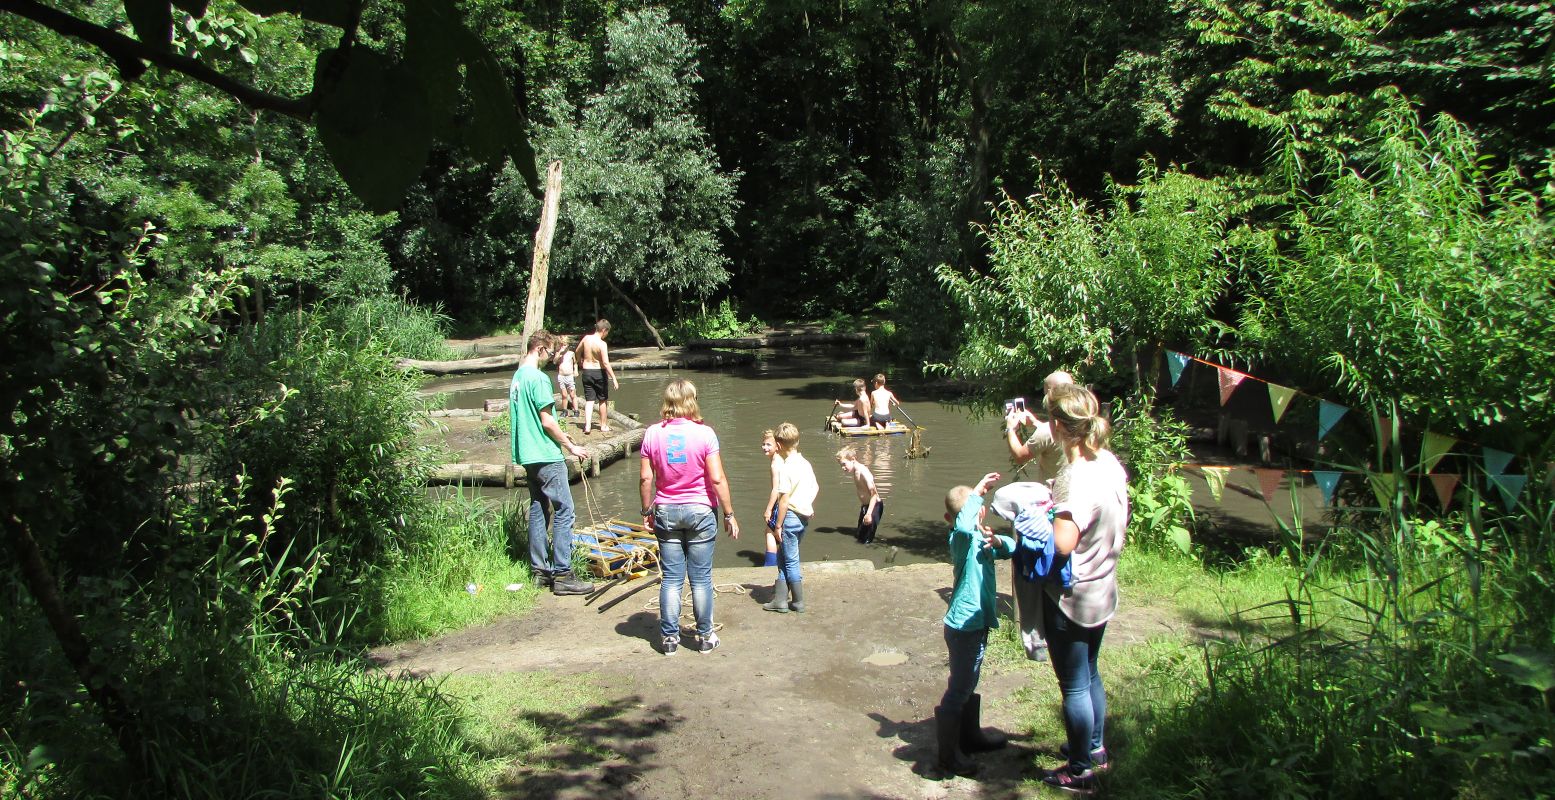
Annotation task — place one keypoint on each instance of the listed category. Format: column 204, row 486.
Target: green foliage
column 448, row 545
column 1082, row 289
column 1153, row 444
column 1416, row 277
column 646, row 202
column 1427, row 673
column 720, row 323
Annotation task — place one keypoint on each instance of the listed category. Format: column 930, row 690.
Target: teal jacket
column 974, row 603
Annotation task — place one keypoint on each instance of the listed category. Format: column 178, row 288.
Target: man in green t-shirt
column 538, row 443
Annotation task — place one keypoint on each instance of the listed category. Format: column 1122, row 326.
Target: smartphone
column 1009, row 407
column 1019, row 403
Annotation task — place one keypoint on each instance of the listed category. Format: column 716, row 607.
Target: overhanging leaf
column 1528, row 667
column 152, row 21
column 495, row 126
column 373, row 122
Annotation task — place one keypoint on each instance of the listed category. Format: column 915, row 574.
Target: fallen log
column 778, row 339
column 483, row 364
column 628, row 435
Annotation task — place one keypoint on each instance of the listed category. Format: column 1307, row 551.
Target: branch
column 129, row 54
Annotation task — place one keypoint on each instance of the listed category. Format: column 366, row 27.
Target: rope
column 687, row 612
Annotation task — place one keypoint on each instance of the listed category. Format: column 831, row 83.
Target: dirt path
column 835, row 702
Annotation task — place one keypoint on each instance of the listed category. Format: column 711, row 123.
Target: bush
column 1153, row 444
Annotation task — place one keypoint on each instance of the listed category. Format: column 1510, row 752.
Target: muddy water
column 797, row 387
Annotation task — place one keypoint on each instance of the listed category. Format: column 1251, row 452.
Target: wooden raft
column 618, row 549
column 868, row 430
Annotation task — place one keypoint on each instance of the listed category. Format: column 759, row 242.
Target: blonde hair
column 858, row 385
column 769, row 434
column 680, row 400
column 955, row 499
column 847, row 454
column 1074, row 409
column 880, row 379
column 787, row 435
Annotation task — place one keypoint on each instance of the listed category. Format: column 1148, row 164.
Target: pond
column 795, row 386
column 798, row 386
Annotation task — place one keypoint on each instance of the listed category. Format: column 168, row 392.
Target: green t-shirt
column 530, row 392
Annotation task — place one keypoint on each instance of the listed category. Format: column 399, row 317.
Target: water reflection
column 797, row 387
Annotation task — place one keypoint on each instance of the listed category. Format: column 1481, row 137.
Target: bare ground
column 836, row 702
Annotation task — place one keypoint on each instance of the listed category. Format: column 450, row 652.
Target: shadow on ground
column 601, row 751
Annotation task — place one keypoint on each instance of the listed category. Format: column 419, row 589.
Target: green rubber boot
column 796, row 599
column 779, row 597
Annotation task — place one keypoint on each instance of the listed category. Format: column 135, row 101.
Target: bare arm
column 604, row 361
column 645, row 489
column 772, row 498
column 715, row 475
column 874, row 496
column 1066, row 534
column 553, row 430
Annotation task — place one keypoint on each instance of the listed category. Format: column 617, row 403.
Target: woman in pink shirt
column 683, row 486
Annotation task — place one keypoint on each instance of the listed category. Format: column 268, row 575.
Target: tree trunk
column 115, row 713
column 657, row 339
column 534, row 306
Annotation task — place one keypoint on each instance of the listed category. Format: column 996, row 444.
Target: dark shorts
column 866, row 533
column 880, row 419
column 596, row 386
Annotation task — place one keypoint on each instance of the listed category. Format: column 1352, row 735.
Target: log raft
column 626, row 436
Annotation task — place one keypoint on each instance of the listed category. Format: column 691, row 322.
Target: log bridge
column 626, row 435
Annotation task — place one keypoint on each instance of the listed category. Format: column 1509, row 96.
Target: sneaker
column 709, row 643
column 1099, row 761
column 566, row 584
column 671, row 644
column 1063, row 779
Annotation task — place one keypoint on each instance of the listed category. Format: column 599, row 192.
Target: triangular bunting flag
column 1279, row 397
column 1384, row 485
column 1326, row 481
column 1268, row 482
column 1445, row 485
column 1496, row 461
column 1510, row 487
column 1174, row 364
column 1229, row 380
column 1384, row 435
column 1433, row 447
column 1216, row 478
column 1328, row 415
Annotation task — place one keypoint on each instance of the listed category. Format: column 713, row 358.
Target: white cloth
column 1093, row 493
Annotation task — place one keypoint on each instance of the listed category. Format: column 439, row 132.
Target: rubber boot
column 779, row 597
column 796, row 599
column 973, row 738
column 951, row 759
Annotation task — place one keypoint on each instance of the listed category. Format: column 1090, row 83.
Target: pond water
column 796, row 386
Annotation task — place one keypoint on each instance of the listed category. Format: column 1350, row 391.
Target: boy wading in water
column 870, row 507
column 598, row 377
column 797, row 489
column 973, row 611
column 769, row 448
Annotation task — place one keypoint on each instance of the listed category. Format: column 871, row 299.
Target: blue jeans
column 550, row 507
column 686, row 535
column 966, row 666
column 788, row 545
column 1073, row 649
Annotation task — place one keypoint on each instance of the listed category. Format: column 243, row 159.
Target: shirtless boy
column 856, row 413
column 594, row 356
column 567, row 377
column 870, row 507
column 880, row 402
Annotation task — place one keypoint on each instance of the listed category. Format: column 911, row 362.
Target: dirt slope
column 835, row 702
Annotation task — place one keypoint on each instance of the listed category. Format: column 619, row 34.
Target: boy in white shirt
column 795, row 506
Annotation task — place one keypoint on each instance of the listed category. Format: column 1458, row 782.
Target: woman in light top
column 683, row 486
column 1090, row 518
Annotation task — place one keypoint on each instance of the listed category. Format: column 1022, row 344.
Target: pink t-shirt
column 678, row 450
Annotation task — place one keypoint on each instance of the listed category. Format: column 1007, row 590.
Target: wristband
column 647, row 511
